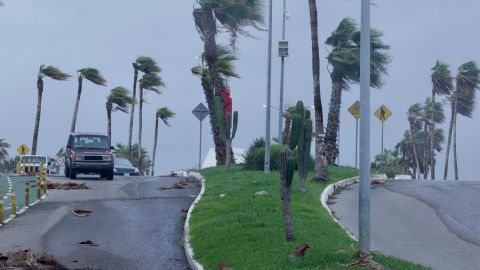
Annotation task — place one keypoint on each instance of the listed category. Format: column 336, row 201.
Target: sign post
column 200, row 112
column 383, row 114
column 355, row 111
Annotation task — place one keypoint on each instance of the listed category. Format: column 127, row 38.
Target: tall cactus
column 227, row 131
column 304, row 146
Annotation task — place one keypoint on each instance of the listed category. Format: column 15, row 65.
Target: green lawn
column 247, row 232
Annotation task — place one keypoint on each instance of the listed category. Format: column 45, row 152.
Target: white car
column 33, row 161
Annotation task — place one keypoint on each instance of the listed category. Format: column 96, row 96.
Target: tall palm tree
column 145, row 65
column 163, row 114
column 226, row 70
column 463, row 103
column 235, row 17
column 442, row 83
column 321, row 171
column 345, row 61
column 3, row 149
column 118, row 100
column 53, row 73
column 433, row 113
column 414, row 115
column 151, row 82
column 92, row 75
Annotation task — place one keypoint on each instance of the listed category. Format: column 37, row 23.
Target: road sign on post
column 383, row 114
column 23, row 150
column 200, row 112
column 355, row 111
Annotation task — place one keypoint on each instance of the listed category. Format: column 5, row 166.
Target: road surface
column 134, row 224
column 434, row 223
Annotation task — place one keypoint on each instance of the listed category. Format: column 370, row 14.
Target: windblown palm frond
column 152, row 82
column 439, row 113
column 53, row 72
column 225, row 67
column 165, row 114
column 468, row 80
column 120, row 99
column 93, row 75
column 3, row 149
column 441, row 79
column 147, row 65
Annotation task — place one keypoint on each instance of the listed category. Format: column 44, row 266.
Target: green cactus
column 304, row 146
column 290, row 170
column 224, row 124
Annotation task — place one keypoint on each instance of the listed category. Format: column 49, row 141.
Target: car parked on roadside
column 30, row 164
column 123, row 166
column 89, row 153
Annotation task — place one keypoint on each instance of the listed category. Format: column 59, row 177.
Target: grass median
column 246, row 232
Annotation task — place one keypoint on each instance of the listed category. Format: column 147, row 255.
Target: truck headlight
column 108, row 158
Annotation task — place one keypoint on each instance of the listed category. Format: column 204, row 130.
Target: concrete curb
column 186, row 229
column 328, row 191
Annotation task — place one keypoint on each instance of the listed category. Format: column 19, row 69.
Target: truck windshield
column 91, row 141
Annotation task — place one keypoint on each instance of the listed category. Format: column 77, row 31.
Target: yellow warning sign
column 383, row 113
column 23, row 150
column 355, row 109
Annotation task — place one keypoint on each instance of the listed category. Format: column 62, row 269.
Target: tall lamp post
column 282, row 52
column 269, row 92
column 364, row 191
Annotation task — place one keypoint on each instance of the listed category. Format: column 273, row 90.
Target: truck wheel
column 73, row 174
column 67, row 172
column 109, row 175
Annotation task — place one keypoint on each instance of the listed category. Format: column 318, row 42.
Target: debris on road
column 25, row 259
column 177, row 185
column 378, row 182
column 66, row 186
column 299, row 251
column 183, row 210
column 88, row 243
column 81, row 213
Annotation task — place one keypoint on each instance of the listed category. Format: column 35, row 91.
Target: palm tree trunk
column 432, row 138
column 333, row 119
column 321, row 171
column 210, row 46
column 74, row 119
column 425, row 152
column 132, row 111
column 449, row 142
column 417, row 164
column 37, row 118
column 140, row 111
column 455, row 160
column 286, row 129
column 109, row 121
column 154, row 152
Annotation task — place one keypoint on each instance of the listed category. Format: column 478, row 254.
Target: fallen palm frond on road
column 66, row 186
column 25, row 259
column 81, row 213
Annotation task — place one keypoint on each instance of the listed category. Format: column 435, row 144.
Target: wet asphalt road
column 435, row 223
column 134, row 225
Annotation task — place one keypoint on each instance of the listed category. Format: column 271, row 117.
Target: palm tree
column 145, row 65
column 151, row 82
column 234, row 16
column 345, row 60
column 92, row 75
column 433, row 113
column 414, row 115
column 164, row 114
column 442, row 85
column 321, row 171
column 463, row 103
column 44, row 71
column 118, row 100
column 226, row 69
column 3, row 149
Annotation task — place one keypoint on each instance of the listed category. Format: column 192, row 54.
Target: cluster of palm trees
column 422, row 141
column 118, row 100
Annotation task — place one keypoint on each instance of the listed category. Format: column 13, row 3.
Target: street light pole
column 364, row 191
column 269, row 90
column 282, row 77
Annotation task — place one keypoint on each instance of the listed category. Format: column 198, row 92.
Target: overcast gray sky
column 110, row 34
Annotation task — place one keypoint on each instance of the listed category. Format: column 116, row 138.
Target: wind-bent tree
column 432, row 112
column 92, row 75
column 163, row 114
column 226, row 70
column 3, row 149
column 55, row 74
column 345, row 61
column 321, row 170
column 235, row 17
column 151, row 82
column 118, row 100
column 463, row 103
column 442, row 83
column 145, row 65
column 414, row 115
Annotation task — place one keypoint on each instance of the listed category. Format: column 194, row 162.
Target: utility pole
column 282, row 77
column 364, row 191
column 269, row 92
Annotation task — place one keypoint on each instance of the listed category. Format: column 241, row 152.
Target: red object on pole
column 227, row 102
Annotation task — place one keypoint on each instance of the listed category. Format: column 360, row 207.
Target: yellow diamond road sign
column 23, row 150
column 355, row 109
column 383, row 113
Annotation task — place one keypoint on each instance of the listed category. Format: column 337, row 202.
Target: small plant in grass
column 227, row 131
